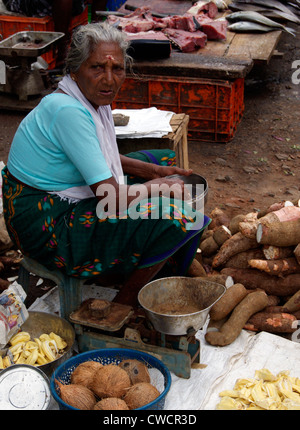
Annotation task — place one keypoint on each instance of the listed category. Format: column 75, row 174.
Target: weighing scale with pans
column 172, row 311
column 19, row 52
column 125, row 327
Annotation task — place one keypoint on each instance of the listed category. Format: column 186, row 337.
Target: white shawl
column 106, row 135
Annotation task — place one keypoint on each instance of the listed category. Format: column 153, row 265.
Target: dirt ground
column 260, row 165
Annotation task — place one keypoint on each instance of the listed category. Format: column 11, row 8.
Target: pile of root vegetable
column 257, row 257
column 123, row 386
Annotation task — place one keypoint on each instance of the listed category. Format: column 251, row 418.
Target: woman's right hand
column 168, row 187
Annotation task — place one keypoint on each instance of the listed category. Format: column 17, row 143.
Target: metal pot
column 43, row 322
column 197, row 186
column 167, row 302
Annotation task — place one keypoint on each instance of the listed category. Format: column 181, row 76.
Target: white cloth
column 148, row 122
column 106, row 135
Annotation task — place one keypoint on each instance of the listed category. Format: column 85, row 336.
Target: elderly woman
column 73, row 203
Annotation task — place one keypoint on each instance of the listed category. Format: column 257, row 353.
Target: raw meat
column 148, row 35
column 186, row 41
column 190, row 28
column 215, row 30
column 207, row 7
column 181, row 22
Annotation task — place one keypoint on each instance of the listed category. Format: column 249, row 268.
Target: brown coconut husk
column 111, row 404
column 78, row 396
column 137, row 371
column 140, row 395
column 84, row 373
column 110, row 381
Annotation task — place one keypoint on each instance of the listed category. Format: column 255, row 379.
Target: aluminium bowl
column 43, row 322
column 166, row 302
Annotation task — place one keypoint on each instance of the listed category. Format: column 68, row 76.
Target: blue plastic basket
column 110, row 356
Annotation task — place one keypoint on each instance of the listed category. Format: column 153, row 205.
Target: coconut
column 78, row 396
column 110, row 381
column 111, row 404
column 137, row 371
column 140, row 395
column 84, row 373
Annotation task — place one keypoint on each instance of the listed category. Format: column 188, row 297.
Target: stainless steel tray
column 28, row 43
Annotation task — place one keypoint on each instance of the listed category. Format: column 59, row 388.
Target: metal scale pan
column 29, row 43
column 19, row 52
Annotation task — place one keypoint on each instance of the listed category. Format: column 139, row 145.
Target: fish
column 250, row 26
column 273, row 4
column 278, row 14
column 257, row 18
column 221, row 4
column 271, row 13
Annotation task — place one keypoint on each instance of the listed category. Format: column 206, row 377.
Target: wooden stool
column 176, row 140
column 70, row 296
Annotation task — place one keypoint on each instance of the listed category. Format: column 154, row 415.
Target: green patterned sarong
column 84, row 242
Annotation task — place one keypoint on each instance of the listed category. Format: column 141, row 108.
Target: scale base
column 178, row 361
column 23, row 83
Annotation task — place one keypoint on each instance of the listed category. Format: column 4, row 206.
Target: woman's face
column 102, row 74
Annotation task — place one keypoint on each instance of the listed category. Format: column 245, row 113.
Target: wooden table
column 229, row 59
column 176, row 140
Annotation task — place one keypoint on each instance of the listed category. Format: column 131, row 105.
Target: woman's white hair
column 86, row 37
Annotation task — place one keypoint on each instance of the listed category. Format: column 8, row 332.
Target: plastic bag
column 13, row 312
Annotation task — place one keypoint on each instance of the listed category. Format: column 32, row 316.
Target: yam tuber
column 285, row 214
column 225, row 280
column 221, row 234
column 241, row 260
column 251, row 304
column 271, row 322
column 276, row 309
column 293, row 304
column 218, row 217
column 285, row 233
column 274, row 285
column 209, row 246
column 274, row 207
column 196, row 269
column 297, row 253
column 207, row 233
column 249, row 228
column 272, row 252
column 234, row 225
column 228, row 302
column 276, row 267
column 236, row 244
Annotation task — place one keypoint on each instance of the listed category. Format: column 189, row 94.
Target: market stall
column 207, row 84
column 232, row 343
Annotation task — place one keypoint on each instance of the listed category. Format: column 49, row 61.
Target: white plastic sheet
column 222, row 366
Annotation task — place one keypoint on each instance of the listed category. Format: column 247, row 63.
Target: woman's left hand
column 162, row 171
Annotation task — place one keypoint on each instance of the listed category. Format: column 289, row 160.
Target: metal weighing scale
column 19, row 52
column 124, row 327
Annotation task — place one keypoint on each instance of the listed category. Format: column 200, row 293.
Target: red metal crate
column 215, row 107
column 10, row 25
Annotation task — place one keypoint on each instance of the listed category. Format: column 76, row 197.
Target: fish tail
column 290, row 31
